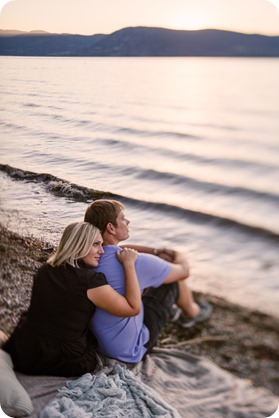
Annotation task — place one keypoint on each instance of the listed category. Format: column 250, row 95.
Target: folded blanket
column 116, row 394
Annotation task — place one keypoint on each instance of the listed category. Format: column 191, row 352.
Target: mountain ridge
column 141, row 41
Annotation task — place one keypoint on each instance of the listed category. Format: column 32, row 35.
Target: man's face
column 122, row 229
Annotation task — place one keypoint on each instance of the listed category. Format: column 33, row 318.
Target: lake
column 190, row 145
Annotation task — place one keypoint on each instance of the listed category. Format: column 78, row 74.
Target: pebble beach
column 239, row 340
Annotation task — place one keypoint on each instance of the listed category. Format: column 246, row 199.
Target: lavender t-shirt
column 124, row 338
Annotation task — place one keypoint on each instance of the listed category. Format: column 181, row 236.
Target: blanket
column 114, row 394
column 190, row 386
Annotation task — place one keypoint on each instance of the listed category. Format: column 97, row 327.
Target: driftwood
column 197, row 340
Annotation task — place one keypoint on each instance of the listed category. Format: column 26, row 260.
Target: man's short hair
column 101, row 212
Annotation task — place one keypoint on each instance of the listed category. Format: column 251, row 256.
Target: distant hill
column 11, row 32
column 141, row 41
column 45, row 44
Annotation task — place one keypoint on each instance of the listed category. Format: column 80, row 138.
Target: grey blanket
column 194, row 387
column 112, row 394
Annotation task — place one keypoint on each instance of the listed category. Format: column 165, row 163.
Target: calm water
column 189, row 144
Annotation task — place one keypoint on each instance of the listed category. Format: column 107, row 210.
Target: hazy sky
column 89, row 17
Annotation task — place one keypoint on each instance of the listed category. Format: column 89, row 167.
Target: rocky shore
column 242, row 341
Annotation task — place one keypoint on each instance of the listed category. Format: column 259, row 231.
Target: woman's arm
column 106, row 298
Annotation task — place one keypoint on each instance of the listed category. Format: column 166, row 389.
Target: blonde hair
column 75, row 243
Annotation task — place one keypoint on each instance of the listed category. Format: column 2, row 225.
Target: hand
column 167, row 254
column 127, row 255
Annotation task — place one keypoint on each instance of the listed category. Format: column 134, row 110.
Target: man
column 162, row 282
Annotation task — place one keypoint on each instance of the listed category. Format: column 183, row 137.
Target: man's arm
column 165, row 253
column 140, row 248
column 180, row 268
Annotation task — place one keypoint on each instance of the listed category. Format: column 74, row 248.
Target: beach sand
column 239, row 340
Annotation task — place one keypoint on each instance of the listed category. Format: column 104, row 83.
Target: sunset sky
column 89, row 17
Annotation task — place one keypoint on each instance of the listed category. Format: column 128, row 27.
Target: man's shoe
column 206, row 310
column 175, row 313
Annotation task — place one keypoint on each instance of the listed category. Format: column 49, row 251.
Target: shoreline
column 240, row 340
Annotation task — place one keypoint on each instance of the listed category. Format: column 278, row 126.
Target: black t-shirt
column 53, row 337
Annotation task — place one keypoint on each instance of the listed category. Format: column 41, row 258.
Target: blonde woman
column 52, row 337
